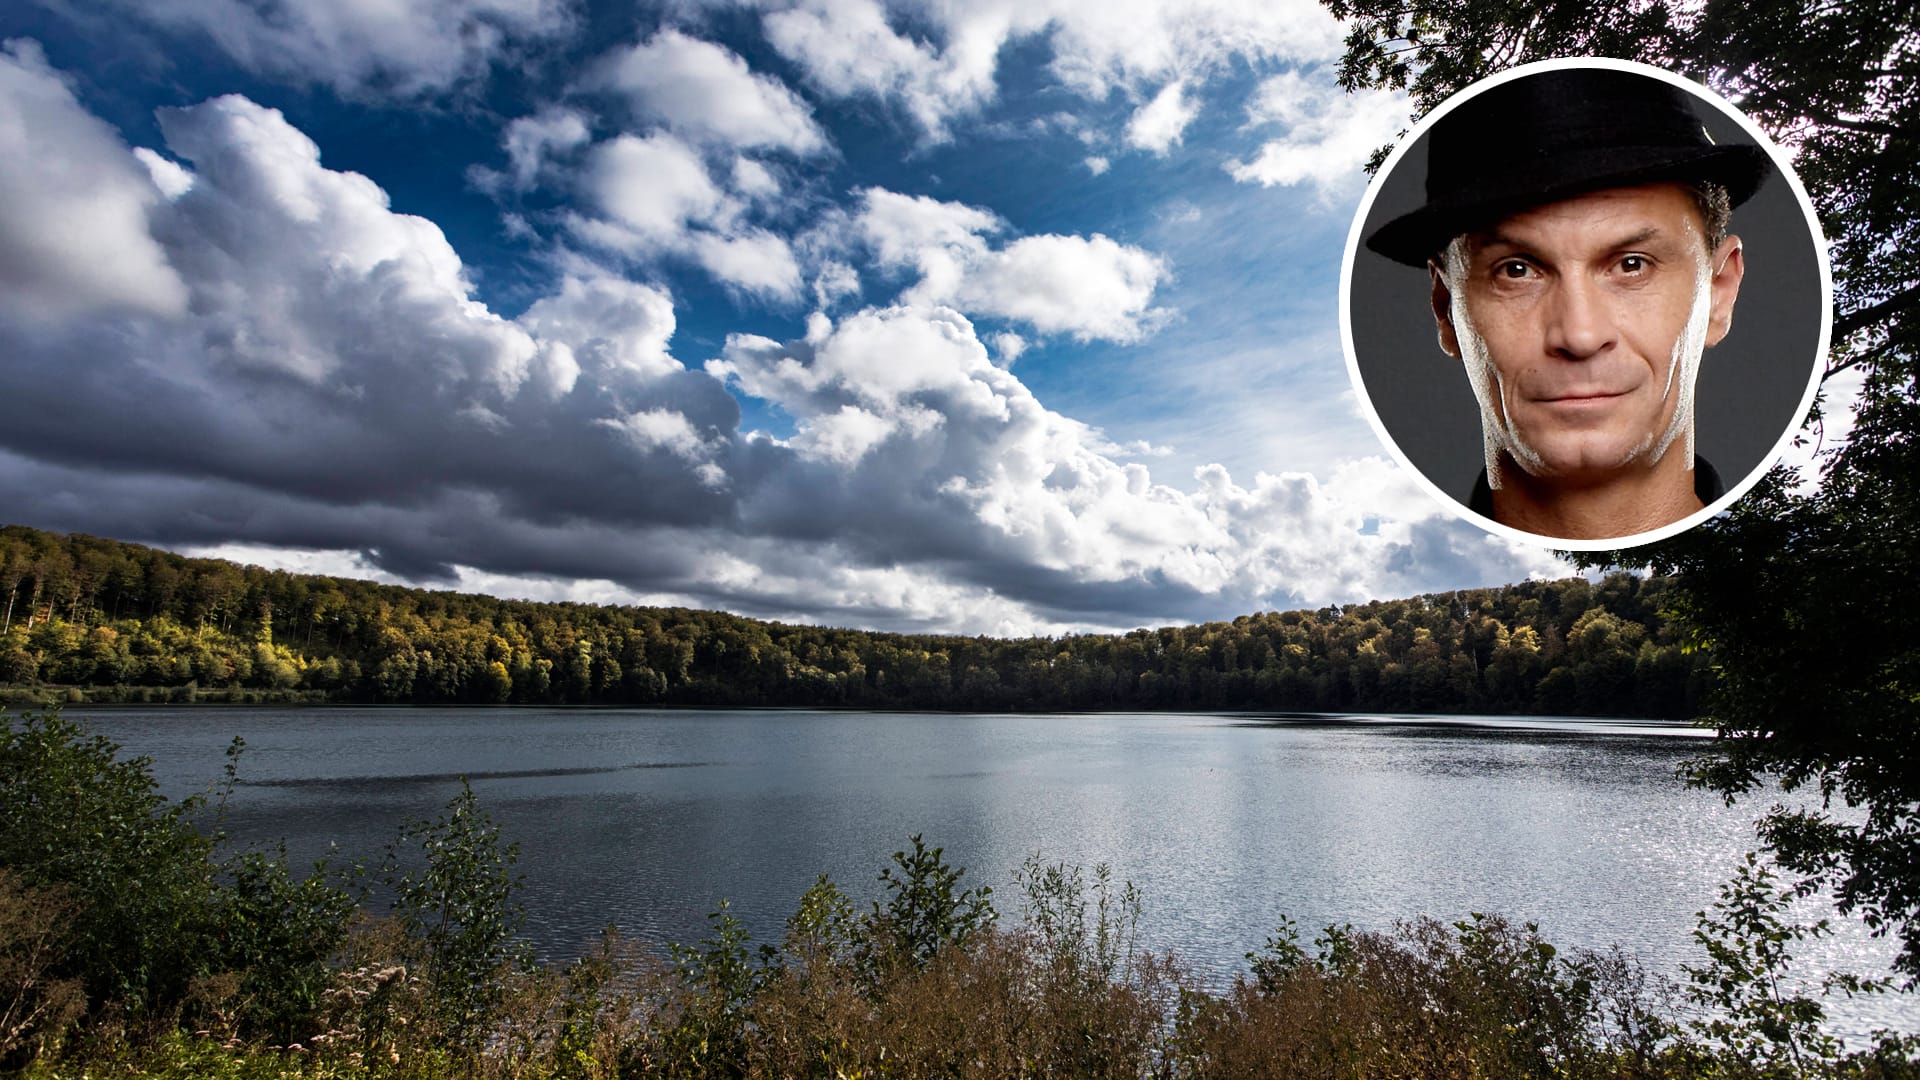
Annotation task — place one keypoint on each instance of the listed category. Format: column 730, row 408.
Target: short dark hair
column 1716, row 210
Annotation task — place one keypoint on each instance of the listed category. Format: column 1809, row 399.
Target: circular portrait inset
column 1587, row 302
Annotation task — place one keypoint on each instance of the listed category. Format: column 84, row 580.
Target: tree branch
column 1862, row 318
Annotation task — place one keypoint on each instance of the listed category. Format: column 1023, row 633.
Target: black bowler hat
column 1553, row 135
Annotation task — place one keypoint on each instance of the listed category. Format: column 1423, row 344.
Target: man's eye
column 1634, row 264
column 1513, row 269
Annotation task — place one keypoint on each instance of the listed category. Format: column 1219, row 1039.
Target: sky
column 985, row 317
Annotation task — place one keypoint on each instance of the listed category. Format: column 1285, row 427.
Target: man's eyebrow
column 1651, row 232
column 1493, row 238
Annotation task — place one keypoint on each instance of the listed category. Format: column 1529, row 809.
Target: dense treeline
column 137, row 623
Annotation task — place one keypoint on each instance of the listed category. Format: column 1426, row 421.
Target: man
column 1575, row 235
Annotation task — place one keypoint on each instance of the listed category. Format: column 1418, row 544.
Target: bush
column 720, row 979
column 1749, row 1005
column 926, row 911
column 36, row 1005
column 154, row 923
column 281, row 936
column 457, row 912
column 142, row 879
column 1479, row 998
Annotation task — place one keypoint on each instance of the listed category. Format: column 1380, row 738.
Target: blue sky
column 989, row 317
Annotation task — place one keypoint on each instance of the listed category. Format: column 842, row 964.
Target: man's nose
column 1579, row 325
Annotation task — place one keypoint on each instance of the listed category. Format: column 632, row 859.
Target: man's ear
column 1729, row 265
column 1443, row 311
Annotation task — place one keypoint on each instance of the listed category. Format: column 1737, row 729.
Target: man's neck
column 1625, row 504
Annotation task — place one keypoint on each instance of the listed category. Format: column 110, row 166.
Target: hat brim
column 1416, row 237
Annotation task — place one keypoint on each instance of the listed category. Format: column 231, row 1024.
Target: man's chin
column 1577, row 467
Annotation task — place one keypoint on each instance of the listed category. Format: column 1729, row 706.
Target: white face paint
column 1685, row 369
column 1495, row 435
column 1499, row 432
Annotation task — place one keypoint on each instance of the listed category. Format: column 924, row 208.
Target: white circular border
column 1780, row 162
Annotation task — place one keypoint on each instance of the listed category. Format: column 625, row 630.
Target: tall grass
column 1061, row 991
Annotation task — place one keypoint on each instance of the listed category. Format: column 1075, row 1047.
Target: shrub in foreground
column 1481, row 997
column 36, row 1003
column 158, row 925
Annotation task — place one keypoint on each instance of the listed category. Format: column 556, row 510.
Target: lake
column 648, row 818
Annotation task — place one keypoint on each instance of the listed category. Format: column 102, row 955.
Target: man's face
column 1581, row 324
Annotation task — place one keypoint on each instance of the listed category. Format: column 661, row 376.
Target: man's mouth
column 1577, row 398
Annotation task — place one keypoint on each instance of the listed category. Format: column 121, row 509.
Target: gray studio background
column 1750, row 384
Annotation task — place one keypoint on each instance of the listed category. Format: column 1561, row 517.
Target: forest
column 89, row 619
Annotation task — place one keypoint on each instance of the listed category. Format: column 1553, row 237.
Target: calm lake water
column 648, row 818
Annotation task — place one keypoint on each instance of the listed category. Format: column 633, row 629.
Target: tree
column 145, row 907
column 74, row 816
column 1793, row 593
column 1752, row 1006
column 925, row 911
column 456, row 906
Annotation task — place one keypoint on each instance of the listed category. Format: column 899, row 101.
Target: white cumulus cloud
column 754, row 260
column 612, row 322
column 652, row 187
column 169, row 176
column 1099, row 45
column 1088, row 287
column 1326, row 133
column 908, row 403
column 911, row 230
column 74, row 204
column 655, row 196
column 849, row 48
column 706, row 91
column 531, row 141
column 1156, row 127
column 331, row 354
column 939, row 61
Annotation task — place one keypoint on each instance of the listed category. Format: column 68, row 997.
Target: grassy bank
column 132, row 943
